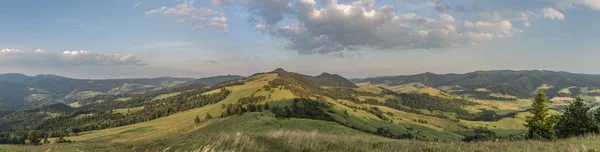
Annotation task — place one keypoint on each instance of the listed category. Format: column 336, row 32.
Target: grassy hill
column 520, row 84
column 368, row 111
column 260, row 132
column 302, row 112
column 18, row 91
column 333, row 80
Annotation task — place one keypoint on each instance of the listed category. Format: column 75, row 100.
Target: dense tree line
column 11, row 138
column 481, row 134
column 251, row 100
column 416, row 101
column 243, row 105
column 304, row 108
column 101, row 117
column 486, row 95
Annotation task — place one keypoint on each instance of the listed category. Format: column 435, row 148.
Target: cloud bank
column 332, row 27
column 41, row 57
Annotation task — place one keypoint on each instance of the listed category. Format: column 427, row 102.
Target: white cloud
column 553, row 14
column 9, row 50
column 526, row 17
column 594, row 4
column 501, row 29
column 40, row 51
column 550, row 13
column 41, row 57
column 199, row 17
column 220, row 22
column 566, row 4
column 446, row 17
column 333, row 27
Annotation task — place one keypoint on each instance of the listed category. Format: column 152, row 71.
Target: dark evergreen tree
column 33, row 138
column 597, row 116
column 197, row 120
column 575, row 121
column 541, row 126
column 208, row 116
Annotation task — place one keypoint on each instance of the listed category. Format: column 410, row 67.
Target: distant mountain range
column 516, row 83
column 18, row 91
column 429, row 107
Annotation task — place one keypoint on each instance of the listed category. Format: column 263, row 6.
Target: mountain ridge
column 44, row 89
column 518, row 83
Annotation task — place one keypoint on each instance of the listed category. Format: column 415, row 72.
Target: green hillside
column 18, row 91
column 395, row 115
column 520, row 84
column 270, row 111
column 260, row 132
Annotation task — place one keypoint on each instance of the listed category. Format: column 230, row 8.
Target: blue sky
column 354, row 38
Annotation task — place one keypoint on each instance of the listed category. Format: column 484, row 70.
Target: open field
column 128, row 110
column 254, row 132
column 566, row 90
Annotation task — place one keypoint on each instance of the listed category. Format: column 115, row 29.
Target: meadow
column 259, row 132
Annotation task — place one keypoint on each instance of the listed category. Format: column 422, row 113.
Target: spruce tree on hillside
column 208, row 116
column 33, row 137
column 541, row 125
column 597, row 116
column 197, row 120
column 575, row 121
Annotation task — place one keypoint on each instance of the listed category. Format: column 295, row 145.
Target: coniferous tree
column 197, row 120
column 597, row 116
column 541, row 125
column 267, row 106
column 259, row 108
column 208, row 116
column 575, row 121
column 33, row 138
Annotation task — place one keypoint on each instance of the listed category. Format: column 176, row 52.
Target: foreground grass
column 260, row 132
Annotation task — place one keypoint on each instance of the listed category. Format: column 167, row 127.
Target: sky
column 353, row 38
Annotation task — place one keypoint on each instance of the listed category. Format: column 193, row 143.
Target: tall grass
column 254, row 132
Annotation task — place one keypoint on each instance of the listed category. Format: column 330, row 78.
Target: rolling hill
column 269, row 111
column 370, row 110
column 520, row 84
column 18, row 91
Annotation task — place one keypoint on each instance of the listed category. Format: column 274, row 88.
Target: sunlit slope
column 179, row 123
column 260, row 132
column 364, row 117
